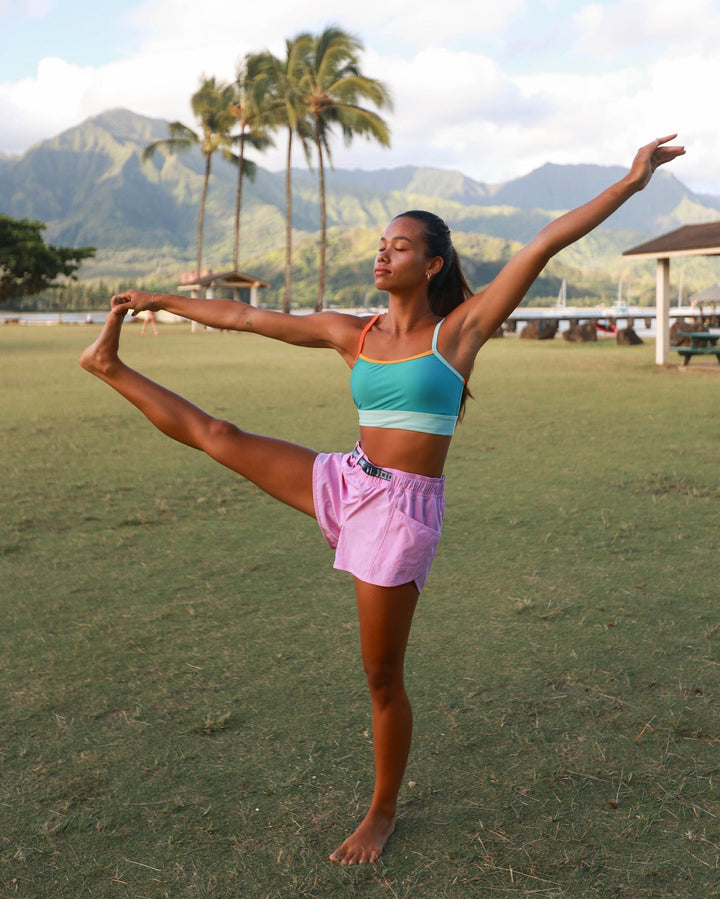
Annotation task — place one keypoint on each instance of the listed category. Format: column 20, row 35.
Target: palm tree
column 333, row 88
column 250, row 108
column 211, row 107
column 287, row 109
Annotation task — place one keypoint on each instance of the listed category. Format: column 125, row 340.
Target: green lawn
column 182, row 701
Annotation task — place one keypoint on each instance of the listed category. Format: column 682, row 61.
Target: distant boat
column 620, row 307
column 562, row 295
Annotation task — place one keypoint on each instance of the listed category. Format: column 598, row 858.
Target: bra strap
column 362, row 335
column 435, row 336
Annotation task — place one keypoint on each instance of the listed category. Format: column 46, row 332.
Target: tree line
column 310, row 93
column 28, row 265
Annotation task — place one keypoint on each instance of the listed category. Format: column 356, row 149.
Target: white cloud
column 397, row 24
column 459, row 102
column 634, row 26
column 42, row 106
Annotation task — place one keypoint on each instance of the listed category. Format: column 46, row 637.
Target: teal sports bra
column 422, row 393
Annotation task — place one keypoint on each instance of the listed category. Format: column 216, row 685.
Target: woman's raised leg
column 280, row 468
column 385, row 615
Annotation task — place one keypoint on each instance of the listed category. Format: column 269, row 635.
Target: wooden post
column 662, row 318
column 210, row 295
column 194, row 326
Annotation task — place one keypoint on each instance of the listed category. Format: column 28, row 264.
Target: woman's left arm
column 483, row 313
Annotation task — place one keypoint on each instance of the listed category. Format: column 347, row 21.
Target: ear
column 434, row 266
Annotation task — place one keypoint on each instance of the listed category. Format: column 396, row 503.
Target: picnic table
column 702, row 343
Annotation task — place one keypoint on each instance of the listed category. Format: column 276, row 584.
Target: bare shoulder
column 344, row 330
column 341, row 326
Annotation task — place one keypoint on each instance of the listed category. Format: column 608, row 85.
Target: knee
column 385, row 681
column 220, row 435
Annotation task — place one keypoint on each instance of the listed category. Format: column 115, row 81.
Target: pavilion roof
column 224, row 279
column 709, row 295
column 690, row 240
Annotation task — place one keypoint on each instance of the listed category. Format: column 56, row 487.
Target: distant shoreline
column 37, row 319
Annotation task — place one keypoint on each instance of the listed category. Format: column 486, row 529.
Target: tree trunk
column 323, row 227
column 201, row 217
column 288, row 225
column 238, row 202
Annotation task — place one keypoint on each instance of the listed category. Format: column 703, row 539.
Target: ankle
column 384, row 810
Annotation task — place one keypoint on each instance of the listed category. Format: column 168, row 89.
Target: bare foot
column 102, row 356
column 368, row 841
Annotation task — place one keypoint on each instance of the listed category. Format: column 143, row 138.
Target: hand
column 652, row 155
column 132, row 301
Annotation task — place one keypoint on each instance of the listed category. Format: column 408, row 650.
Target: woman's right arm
column 335, row 330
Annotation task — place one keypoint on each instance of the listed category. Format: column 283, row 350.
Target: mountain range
column 91, row 187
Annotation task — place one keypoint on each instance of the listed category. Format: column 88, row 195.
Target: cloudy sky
column 492, row 88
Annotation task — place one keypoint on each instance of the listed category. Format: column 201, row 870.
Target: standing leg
column 385, row 615
column 280, row 468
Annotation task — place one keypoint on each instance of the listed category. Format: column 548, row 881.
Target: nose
column 381, row 255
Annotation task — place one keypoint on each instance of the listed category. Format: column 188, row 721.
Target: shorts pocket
column 409, row 548
column 426, row 512
column 414, row 524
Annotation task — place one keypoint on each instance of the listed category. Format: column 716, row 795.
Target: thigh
column 385, row 615
column 281, row 469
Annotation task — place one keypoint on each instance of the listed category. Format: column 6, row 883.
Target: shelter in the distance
column 709, row 295
column 210, row 281
column 690, row 240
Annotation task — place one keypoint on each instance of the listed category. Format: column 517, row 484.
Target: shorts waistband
column 404, row 480
column 369, row 468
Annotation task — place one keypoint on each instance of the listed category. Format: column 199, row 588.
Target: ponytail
column 448, row 289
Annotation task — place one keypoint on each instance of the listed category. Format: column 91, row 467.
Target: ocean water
column 51, row 318
column 98, row 317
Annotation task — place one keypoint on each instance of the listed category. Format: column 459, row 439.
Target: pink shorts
column 383, row 524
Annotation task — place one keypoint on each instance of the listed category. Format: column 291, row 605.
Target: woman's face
column 402, row 262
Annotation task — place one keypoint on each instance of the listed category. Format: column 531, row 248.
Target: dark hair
column 448, row 289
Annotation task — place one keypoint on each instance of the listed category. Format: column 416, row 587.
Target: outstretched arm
column 486, row 311
column 323, row 329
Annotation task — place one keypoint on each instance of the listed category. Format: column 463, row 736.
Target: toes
column 349, row 856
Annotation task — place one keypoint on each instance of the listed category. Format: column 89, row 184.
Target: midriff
column 412, row 451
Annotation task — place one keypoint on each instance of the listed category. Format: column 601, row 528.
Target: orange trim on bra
column 392, row 361
column 362, row 336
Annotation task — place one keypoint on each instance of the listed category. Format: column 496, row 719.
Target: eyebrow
column 396, row 237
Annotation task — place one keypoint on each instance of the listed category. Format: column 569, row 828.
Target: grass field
column 182, row 702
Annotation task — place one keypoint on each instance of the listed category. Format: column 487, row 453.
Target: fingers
column 659, row 144
column 657, row 152
column 653, row 155
column 663, row 154
column 124, row 302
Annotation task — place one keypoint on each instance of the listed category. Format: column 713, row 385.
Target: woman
column 381, row 505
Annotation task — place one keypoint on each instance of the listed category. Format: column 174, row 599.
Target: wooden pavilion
column 690, row 240
column 709, row 295
column 236, row 281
